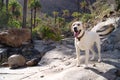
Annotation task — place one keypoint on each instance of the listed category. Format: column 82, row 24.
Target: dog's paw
column 99, row 60
column 78, row 65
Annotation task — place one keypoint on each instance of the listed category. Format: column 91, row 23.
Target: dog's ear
column 71, row 26
column 84, row 25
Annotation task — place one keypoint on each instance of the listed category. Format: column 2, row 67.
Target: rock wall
column 113, row 41
column 15, row 37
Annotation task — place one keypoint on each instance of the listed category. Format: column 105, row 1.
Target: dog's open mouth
column 76, row 33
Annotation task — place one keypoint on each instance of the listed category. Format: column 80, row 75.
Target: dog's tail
column 106, row 27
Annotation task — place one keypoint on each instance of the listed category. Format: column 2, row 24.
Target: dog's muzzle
column 75, row 29
column 76, row 32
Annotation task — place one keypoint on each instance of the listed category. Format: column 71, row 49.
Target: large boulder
column 16, row 61
column 14, row 37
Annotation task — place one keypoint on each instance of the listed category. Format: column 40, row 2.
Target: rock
column 5, row 64
column 117, row 73
column 118, row 78
column 33, row 62
column 16, row 61
column 3, row 53
column 43, row 46
column 112, row 42
column 14, row 37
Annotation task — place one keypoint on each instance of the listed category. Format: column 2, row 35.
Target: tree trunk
column 7, row 1
column 24, row 13
column 35, row 17
column 31, row 24
column 2, row 3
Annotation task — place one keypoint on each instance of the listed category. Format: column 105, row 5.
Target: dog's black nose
column 75, row 29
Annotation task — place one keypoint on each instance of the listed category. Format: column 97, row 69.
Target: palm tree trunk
column 31, row 24
column 24, row 13
column 7, row 1
column 34, row 17
column 2, row 3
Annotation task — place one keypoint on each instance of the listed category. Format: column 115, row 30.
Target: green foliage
column 15, row 8
column 35, row 4
column 101, row 8
column 14, row 5
column 86, row 17
column 47, row 32
column 118, row 4
column 83, row 4
column 60, row 22
column 66, row 13
column 55, row 13
column 76, row 14
column 14, row 23
column 4, row 18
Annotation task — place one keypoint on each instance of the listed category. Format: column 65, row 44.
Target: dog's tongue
column 76, row 34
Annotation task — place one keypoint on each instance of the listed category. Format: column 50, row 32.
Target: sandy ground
column 60, row 64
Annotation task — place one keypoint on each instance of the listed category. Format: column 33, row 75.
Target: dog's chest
column 86, row 42
column 81, row 45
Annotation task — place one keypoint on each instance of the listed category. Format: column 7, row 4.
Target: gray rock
column 16, row 61
column 3, row 53
column 118, row 78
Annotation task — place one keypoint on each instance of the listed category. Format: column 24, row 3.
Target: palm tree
column 35, row 5
column 7, row 2
column 30, row 5
column 118, row 4
column 65, row 14
column 24, row 13
column 83, row 5
column 1, row 4
column 55, row 14
column 14, row 7
column 76, row 15
column 60, row 21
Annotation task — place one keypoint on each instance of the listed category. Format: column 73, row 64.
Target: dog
column 85, row 40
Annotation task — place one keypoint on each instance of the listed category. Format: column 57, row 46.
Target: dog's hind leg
column 99, row 50
column 93, row 54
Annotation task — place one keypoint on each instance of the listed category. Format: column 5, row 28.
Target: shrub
column 118, row 4
column 47, row 32
column 14, row 23
column 86, row 17
column 4, row 18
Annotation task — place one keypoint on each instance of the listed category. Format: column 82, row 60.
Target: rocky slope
column 48, row 6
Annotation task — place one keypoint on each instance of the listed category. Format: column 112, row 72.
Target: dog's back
column 88, row 40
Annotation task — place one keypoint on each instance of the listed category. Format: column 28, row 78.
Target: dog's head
column 77, row 28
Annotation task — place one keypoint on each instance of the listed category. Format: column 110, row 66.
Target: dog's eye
column 73, row 25
column 78, row 24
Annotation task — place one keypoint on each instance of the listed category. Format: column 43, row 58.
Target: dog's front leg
column 86, row 57
column 78, row 56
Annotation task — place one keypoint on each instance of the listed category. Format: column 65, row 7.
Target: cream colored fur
column 86, row 43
